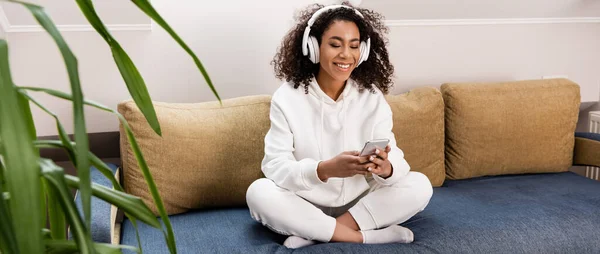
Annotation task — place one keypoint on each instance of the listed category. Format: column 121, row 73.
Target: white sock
column 391, row 234
column 294, row 242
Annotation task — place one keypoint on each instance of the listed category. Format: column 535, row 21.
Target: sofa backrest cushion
column 419, row 130
column 207, row 156
column 510, row 127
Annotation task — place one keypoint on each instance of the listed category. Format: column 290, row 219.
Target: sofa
column 498, row 156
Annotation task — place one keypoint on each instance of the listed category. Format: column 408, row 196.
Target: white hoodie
column 309, row 128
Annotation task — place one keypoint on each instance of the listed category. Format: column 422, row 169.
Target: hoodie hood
column 350, row 91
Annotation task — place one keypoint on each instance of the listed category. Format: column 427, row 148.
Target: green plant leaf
column 26, row 111
column 170, row 237
column 94, row 160
column 49, row 144
column 24, row 103
column 137, row 232
column 66, row 96
column 147, row 8
column 105, row 170
column 8, row 243
column 50, row 202
column 46, row 234
column 58, row 223
column 134, row 81
column 63, row 246
column 55, row 177
column 151, row 185
column 1, row 167
column 81, row 138
column 64, row 137
column 43, row 205
column 68, row 146
column 20, row 160
column 28, row 116
column 132, row 205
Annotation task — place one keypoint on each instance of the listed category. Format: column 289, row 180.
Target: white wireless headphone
column 310, row 44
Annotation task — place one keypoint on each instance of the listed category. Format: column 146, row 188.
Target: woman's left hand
column 383, row 166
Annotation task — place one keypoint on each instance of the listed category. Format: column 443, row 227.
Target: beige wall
column 484, row 9
column 67, row 12
column 436, row 54
column 237, row 39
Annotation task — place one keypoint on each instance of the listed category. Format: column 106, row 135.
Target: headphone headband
column 310, row 45
column 312, row 19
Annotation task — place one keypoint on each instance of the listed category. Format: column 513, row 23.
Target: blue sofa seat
column 537, row 213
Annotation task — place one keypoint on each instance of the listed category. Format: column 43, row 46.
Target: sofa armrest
column 587, row 149
column 101, row 210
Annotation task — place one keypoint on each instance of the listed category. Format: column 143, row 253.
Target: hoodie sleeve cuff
column 398, row 172
column 387, row 181
column 309, row 173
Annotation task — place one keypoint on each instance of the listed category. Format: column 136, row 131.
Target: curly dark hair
column 291, row 65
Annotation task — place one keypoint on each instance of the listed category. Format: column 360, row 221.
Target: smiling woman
column 317, row 186
column 297, row 57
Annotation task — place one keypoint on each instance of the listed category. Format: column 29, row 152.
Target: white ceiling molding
column 9, row 28
column 472, row 22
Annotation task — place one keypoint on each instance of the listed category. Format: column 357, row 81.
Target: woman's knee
column 418, row 185
column 421, row 186
column 257, row 192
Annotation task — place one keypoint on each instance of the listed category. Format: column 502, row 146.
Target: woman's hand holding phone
column 383, row 167
column 350, row 163
column 345, row 164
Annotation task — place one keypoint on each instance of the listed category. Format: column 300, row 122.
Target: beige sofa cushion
column 207, row 156
column 510, row 128
column 419, row 130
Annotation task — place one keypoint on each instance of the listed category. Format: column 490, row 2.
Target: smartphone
column 371, row 145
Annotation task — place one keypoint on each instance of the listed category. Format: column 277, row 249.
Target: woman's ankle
column 343, row 233
column 348, row 220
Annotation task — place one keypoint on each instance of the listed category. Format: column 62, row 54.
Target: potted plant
column 31, row 185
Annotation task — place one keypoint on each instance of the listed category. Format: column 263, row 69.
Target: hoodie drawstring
column 345, row 100
column 321, row 133
column 344, row 124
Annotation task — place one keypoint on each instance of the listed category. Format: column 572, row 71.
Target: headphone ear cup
column 313, row 46
column 368, row 51
column 364, row 53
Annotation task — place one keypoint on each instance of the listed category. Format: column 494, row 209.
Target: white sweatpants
column 381, row 206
